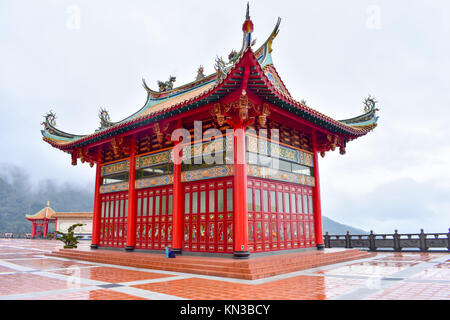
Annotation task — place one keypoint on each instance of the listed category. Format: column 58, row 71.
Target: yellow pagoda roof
column 46, row 213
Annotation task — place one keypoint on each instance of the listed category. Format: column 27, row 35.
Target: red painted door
column 208, row 216
column 113, row 219
column 154, row 218
column 280, row 215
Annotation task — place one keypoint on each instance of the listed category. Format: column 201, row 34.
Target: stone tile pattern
column 28, row 271
column 255, row 268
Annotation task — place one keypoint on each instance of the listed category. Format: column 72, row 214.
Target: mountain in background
column 17, row 198
column 333, row 227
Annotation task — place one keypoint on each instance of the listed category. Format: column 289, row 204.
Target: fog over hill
column 18, row 196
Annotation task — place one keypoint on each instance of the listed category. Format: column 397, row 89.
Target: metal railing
column 423, row 242
column 26, row 235
column 15, row 235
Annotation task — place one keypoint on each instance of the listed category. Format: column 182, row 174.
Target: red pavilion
column 226, row 164
column 41, row 221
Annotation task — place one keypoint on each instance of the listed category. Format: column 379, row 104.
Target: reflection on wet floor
column 25, row 273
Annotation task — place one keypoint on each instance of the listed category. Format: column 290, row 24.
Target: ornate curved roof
column 73, row 215
column 46, row 213
column 264, row 81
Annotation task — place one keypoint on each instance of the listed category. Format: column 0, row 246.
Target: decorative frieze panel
column 116, row 167
column 154, row 159
column 154, row 181
column 207, row 148
column 116, row 187
column 208, row 173
column 269, row 173
column 264, row 147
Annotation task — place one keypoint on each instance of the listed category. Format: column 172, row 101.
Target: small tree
column 69, row 239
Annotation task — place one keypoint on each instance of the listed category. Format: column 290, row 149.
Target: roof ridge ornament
column 105, row 119
column 50, row 119
column 200, row 74
column 233, row 56
column 221, row 68
column 166, row 85
column 247, row 28
column 370, row 104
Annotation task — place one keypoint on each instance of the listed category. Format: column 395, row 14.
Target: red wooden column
column 33, row 230
column 54, row 233
column 177, row 228
column 240, row 194
column 131, row 220
column 46, row 229
column 97, row 204
column 316, row 197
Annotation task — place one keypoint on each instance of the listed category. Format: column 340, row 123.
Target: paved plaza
column 26, row 273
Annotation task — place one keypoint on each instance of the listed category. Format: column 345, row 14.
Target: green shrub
column 69, row 239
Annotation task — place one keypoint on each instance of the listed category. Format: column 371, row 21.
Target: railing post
column 422, row 241
column 397, row 241
column 448, row 240
column 372, row 246
column 327, row 240
column 348, row 242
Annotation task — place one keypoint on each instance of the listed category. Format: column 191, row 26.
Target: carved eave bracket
column 217, row 114
column 162, row 132
column 332, row 142
column 263, row 114
column 74, row 157
column 117, row 144
column 242, row 112
column 85, row 155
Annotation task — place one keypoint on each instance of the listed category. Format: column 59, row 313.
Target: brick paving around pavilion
column 27, row 274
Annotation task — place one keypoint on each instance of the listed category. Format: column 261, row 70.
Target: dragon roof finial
column 105, row 120
column 50, row 119
column 166, row 85
column 369, row 103
column 221, row 68
column 200, row 74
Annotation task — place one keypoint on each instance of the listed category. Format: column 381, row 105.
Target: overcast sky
column 76, row 56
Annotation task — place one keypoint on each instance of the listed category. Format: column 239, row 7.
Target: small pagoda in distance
column 61, row 221
column 157, row 187
column 41, row 221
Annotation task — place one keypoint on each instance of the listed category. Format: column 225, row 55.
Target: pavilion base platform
column 253, row 268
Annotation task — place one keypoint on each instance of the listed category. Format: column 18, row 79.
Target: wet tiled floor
column 112, row 274
column 370, row 268
column 27, row 274
column 297, row 288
